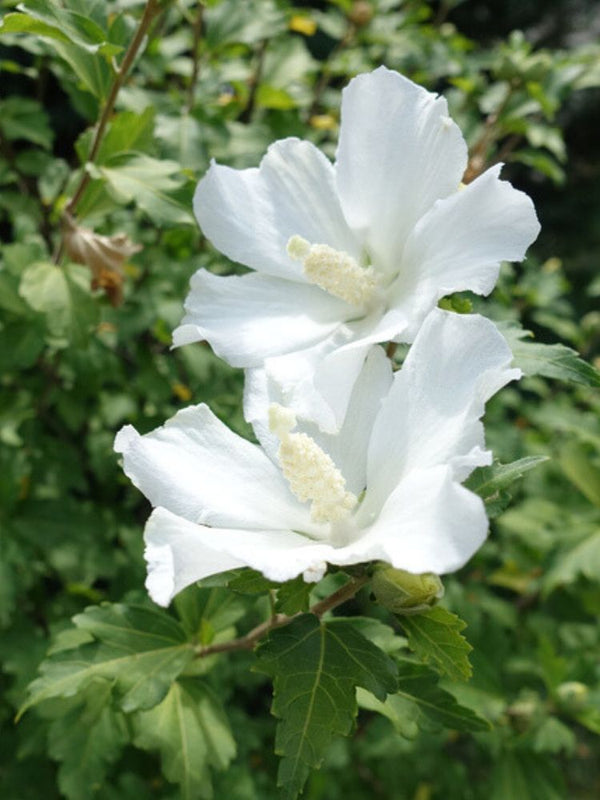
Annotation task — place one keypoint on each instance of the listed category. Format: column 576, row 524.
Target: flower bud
column 572, row 695
column 403, row 592
column 361, row 13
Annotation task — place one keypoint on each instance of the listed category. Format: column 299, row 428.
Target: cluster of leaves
column 109, row 113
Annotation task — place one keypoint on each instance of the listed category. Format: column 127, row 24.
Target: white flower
column 387, row 487
column 350, row 254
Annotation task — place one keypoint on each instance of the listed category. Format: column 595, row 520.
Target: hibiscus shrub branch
column 251, row 639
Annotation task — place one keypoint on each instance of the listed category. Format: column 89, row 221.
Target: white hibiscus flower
column 350, row 254
column 387, row 487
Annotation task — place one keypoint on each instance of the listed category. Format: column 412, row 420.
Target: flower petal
column 430, row 523
column 348, row 449
column 431, row 414
column 460, row 242
column 197, row 468
column 180, row 552
column 250, row 215
column 398, row 153
column 248, row 318
column 317, row 382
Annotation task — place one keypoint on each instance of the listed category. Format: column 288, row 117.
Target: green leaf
column 50, row 20
column 22, row 118
column 549, row 360
column 553, row 736
column 419, row 701
column 274, row 97
column 127, row 131
column 316, row 667
column 589, row 718
column 435, row 637
column 9, row 298
column 249, row 581
column 87, row 739
column 579, row 468
column 182, row 139
column 490, row 482
column 583, row 559
column 292, row 596
column 191, row 732
column 62, row 294
column 151, row 183
column 77, row 38
column 140, row 649
column 21, row 343
column 209, row 614
column 526, row 776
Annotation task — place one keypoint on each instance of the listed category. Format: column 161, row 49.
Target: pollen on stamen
column 309, row 471
column 333, row 270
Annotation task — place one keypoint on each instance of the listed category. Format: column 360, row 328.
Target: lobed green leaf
column 316, row 667
column 435, row 636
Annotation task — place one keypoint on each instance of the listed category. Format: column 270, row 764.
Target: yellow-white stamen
column 333, row 270
column 308, row 469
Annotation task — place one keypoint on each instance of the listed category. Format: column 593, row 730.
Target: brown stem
column 390, row 350
column 478, row 156
column 325, row 76
column 255, row 79
column 197, row 34
column 247, row 642
column 507, row 148
column 150, row 12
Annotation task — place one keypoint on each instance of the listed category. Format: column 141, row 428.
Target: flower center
column 308, row 469
column 333, row 270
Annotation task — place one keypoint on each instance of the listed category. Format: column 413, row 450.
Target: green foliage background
column 127, row 703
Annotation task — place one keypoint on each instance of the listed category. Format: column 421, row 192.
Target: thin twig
column 325, row 75
column 150, row 12
column 247, row 642
column 197, row 34
column 478, row 156
column 254, row 81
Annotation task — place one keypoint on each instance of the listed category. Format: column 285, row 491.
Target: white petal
column 197, row 468
column 179, row 552
column 398, row 153
column 248, row 318
column 460, row 242
column 348, row 449
column 431, row 415
column 317, row 382
column 251, row 214
column 430, row 523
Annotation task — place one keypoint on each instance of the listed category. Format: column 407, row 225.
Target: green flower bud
column 403, row 592
column 572, row 695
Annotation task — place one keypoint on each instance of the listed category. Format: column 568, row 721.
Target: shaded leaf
column 490, row 482
column 549, row 360
column 191, row 733
column 419, row 701
column 435, row 636
column 526, row 776
column 140, row 649
column 22, row 118
column 62, row 294
column 583, row 559
column 151, row 183
column 293, row 596
column 87, row 739
column 316, row 667
column 581, row 470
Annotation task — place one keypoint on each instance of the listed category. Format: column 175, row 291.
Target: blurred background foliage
column 98, row 245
